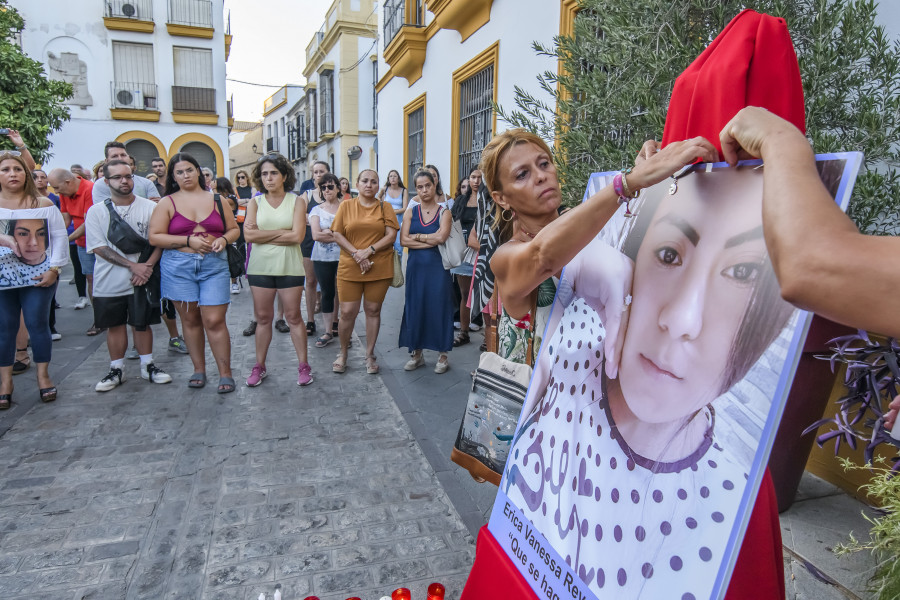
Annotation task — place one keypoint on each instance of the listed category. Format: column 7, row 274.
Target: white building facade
column 148, row 73
column 338, row 117
column 442, row 65
column 278, row 119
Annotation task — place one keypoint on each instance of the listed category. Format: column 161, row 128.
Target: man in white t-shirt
column 142, row 187
column 117, row 300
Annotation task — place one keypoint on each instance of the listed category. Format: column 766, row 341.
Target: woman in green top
column 275, row 225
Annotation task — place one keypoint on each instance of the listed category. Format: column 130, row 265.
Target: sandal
column 20, row 366
column 310, row 328
column 197, row 380
column 6, row 401
column 324, row 340
column 48, row 394
column 226, row 385
column 334, row 328
column 340, row 364
column 461, row 339
column 372, row 367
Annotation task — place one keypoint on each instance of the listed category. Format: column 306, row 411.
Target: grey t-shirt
column 112, row 280
column 143, row 187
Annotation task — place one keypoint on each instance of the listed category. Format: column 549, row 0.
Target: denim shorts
column 465, row 269
column 201, row 278
column 87, row 261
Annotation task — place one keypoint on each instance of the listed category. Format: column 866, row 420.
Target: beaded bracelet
column 624, row 197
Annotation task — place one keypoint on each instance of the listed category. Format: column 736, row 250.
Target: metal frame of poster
column 635, row 477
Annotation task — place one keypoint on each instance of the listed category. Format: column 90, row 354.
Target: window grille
column 416, row 141
column 476, row 121
column 196, row 13
column 326, row 98
column 393, row 19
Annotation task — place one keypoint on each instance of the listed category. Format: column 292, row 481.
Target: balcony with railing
column 230, row 108
column 128, row 15
column 405, row 38
column 393, row 19
column 228, row 36
column 191, row 18
column 134, row 101
column 194, row 105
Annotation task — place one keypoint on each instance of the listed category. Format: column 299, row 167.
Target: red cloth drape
column 750, row 63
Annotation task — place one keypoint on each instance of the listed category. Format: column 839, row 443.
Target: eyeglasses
column 118, row 177
column 326, row 186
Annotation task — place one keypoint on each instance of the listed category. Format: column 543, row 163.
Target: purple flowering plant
column 872, row 380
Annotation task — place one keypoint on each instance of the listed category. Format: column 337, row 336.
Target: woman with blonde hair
column 365, row 229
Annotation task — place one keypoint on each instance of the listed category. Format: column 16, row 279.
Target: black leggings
column 80, row 280
column 326, row 273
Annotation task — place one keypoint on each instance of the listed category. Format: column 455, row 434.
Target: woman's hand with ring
column 46, row 279
column 669, row 160
column 648, row 150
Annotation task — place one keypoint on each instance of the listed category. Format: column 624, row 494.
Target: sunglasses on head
column 10, row 153
column 326, row 186
column 268, row 157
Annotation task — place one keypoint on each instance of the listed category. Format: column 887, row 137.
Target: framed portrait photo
column 657, row 393
column 24, row 247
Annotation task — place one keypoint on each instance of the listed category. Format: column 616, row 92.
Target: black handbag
column 236, row 266
column 121, row 235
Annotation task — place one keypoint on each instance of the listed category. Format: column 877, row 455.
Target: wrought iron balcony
column 193, row 13
column 193, row 99
column 139, row 10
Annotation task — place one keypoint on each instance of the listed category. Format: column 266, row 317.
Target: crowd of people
column 152, row 249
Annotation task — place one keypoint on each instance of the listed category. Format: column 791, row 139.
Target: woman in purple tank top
column 193, row 234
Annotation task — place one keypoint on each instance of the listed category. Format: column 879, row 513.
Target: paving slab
column 159, row 491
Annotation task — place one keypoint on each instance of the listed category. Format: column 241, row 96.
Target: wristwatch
column 57, row 269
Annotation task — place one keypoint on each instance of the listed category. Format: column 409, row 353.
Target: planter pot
column 808, row 399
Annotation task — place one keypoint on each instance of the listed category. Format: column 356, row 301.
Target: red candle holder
column 401, row 594
column 436, row 591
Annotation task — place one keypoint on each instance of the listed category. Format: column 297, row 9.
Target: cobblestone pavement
column 159, row 491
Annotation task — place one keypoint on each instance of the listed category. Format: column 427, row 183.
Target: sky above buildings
column 268, row 47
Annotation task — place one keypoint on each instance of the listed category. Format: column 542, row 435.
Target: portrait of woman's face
column 693, row 278
column 31, row 239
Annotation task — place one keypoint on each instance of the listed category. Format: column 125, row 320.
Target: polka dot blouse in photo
column 629, row 527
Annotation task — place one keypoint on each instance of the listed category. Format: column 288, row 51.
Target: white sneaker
column 112, row 380
column 82, row 302
column 154, row 374
column 235, row 288
column 442, row 365
column 55, row 336
column 474, row 327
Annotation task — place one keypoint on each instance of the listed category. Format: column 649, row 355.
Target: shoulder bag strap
column 529, row 354
column 218, row 201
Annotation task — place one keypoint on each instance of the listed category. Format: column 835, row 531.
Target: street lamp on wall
column 256, row 150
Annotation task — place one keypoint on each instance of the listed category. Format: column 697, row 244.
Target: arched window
column 203, row 153
column 142, row 152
